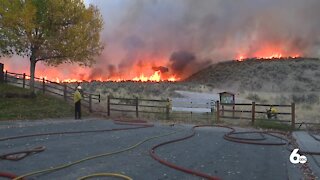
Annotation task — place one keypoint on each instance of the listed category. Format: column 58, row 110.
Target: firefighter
column 77, row 102
column 272, row 112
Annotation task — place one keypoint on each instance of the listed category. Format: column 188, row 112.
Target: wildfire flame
column 268, row 56
column 268, row 51
column 81, row 74
column 274, row 56
column 155, row 77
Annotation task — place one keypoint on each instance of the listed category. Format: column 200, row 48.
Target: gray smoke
column 161, row 69
column 137, row 30
column 183, row 62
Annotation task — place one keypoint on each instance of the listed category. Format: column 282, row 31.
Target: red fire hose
column 8, row 175
column 180, row 168
column 138, row 124
column 230, row 136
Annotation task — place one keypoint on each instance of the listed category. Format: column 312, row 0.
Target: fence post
column 168, row 109
column 137, row 107
column 293, row 115
column 99, row 97
column 233, row 109
column 24, row 80
column 218, row 111
column 212, row 108
column 253, row 111
column 212, row 103
column 6, row 77
column 65, row 92
column 108, row 105
column 43, row 85
column 222, row 107
column 1, row 73
column 90, row 102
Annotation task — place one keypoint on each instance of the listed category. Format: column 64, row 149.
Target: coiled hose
column 137, row 123
column 230, row 136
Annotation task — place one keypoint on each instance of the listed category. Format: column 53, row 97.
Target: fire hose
column 15, row 156
column 180, row 168
column 105, row 174
column 7, row 175
column 230, row 137
column 138, row 123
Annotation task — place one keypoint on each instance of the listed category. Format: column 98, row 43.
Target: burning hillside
column 79, row 74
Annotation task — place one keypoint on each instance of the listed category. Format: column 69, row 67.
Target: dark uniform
column 77, row 102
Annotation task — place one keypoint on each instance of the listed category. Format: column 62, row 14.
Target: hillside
column 289, row 75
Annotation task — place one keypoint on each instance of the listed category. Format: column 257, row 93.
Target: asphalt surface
column 307, row 143
column 207, row 152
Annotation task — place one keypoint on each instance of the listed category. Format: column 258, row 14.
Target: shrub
column 298, row 98
column 312, row 98
column 254, row 97
column 308, row 99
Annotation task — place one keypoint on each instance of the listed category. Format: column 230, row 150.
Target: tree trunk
column 32, row 71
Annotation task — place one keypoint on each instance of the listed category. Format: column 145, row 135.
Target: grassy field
column 40, row 107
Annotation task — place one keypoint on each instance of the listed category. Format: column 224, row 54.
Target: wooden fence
column 46, row 86
column 160, row 109
column 253, row 111
column 137, row 106
column 193, row 110
column 248, row 111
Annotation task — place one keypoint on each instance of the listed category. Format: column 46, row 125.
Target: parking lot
column 206, row 152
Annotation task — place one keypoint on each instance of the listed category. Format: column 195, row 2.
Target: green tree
column 52, row 31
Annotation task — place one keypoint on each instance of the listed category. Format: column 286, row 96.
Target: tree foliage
column 53, row 31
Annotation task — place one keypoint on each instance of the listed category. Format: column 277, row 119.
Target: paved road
column 207, row 152
column 307, row 143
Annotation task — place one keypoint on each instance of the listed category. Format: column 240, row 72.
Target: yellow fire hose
column 93, row 157
column 105, row 174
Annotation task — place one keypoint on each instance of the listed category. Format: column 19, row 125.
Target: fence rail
column 47, row 86
column 251, row 109
column 137, row 106
column 159, row 107
column 248, row 111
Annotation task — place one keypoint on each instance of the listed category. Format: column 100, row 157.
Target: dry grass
column 267, row 82
column 307, row 103
column 294, row 75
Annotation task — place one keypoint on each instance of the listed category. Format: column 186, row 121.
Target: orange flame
column 141, row 73
column 269, row 51
column 268, row 56
column 156, row 77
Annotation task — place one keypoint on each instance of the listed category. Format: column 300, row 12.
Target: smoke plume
column 147, row 30
column 183, row 34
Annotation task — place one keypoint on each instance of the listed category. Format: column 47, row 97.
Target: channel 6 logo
column 296, row 158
